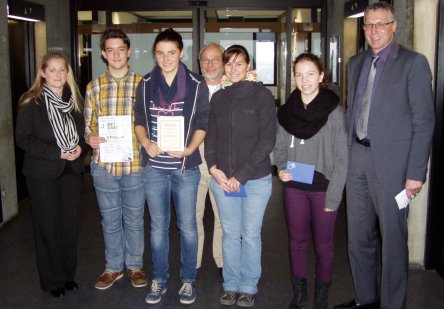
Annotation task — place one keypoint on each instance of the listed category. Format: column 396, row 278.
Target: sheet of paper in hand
column 301, row 172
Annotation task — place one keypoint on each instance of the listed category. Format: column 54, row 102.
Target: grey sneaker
column 187, row 293
column 245, row 300
column 229, row 298
column 155, row 293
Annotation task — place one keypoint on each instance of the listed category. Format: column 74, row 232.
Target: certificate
column 170, row 131
column 119, row 138
column 301, row 172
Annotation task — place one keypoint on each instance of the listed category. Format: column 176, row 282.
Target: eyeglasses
column 213, row 61
column 378, row 26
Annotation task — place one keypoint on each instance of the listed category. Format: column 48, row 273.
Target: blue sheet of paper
column 301, row 172
column 241, row 193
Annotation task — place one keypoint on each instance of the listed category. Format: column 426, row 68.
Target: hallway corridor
column 19, row 286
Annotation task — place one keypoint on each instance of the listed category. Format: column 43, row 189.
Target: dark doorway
column 22, row 64
column 434, row 258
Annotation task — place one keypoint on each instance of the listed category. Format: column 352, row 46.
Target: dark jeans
column 304, row 213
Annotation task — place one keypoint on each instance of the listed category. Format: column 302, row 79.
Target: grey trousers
column 369, row 202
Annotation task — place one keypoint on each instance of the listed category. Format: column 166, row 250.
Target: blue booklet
column 301, row 172
column 241, row 193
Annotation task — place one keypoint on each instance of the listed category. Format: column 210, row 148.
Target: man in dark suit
column 390, row 121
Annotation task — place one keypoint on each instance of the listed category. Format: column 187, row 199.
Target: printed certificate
column 170, row 133
column 119, row 142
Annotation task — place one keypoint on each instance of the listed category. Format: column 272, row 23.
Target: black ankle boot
column 321, row 295
column 58, row 292
column 300, row 298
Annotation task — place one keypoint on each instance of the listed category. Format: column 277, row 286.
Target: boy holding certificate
column 115, row 164
column 311, row 156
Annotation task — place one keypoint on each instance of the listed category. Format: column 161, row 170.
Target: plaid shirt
column 105, row 96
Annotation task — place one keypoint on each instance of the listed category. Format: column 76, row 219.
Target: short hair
column 114, row 33
column 211, row 44
column 381, row 5
column 316, row 61
column 168, row 35
column 235, row 50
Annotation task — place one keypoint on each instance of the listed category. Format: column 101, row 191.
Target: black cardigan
column 241, row 131
column 34, row 134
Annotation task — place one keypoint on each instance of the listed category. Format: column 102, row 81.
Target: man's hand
column 412, row 188
column 94, row 141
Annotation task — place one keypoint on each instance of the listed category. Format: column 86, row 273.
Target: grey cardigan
column 326, row 150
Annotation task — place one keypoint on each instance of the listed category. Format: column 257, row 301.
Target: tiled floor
column 19, row 286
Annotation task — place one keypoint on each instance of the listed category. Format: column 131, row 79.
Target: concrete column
column 8, row 191
column 425, row 21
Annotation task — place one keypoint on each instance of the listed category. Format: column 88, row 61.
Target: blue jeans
column 241, row 219
column 159, row 184
column 121, row 202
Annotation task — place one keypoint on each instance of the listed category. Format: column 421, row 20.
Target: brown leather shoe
column 138, row 278
column 107, row 279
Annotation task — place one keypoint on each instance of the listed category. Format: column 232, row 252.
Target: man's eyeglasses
column 378, row 26
column 213, row 61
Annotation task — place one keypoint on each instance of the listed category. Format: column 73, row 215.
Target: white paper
column 170, row 131
column 402, row 200
column 119, row 139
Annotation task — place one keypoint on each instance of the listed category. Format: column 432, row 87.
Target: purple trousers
column 304, row 213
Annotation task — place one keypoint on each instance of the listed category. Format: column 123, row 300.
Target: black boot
column 300, row 298
column 321, row 295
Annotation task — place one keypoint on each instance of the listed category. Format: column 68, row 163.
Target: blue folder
column 241, row 193
column 301, row 172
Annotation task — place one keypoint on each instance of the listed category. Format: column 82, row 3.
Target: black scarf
column 163, row 94
column 305, row 122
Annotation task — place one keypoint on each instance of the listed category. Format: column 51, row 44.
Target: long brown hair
column 36, row 89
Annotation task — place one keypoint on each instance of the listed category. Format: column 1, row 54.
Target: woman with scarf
column 50, row 129
column 312, row 139
column 171, row 90
column 241, row 136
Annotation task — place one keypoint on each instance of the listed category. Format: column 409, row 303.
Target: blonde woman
column 50, row 130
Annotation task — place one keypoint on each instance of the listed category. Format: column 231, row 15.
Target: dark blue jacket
column 195, row 112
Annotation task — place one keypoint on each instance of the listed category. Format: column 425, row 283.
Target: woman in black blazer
column 50, row 129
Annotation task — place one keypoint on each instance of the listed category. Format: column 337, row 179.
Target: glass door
column 273, row 37
column 142, row 28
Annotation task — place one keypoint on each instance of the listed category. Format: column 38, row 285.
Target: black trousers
column 54, row 206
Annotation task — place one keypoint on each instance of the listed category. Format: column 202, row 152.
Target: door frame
column 197, row 8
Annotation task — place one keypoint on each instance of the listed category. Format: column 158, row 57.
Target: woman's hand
column 152, row 149
column 220, row 178
column 233, row 184
column 284, row 176
column 180, row 154
column 72, row 156
column 328, row 210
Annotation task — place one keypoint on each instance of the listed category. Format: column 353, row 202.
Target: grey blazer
column 401, row 119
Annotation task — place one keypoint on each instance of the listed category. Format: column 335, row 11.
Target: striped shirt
column 164, row 161
column 105, row 96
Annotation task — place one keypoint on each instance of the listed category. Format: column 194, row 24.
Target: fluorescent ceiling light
column 22, row 18
column 356, row 15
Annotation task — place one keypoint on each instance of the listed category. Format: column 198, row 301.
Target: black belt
column 364, row 142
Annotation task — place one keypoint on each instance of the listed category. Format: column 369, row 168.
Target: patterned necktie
column 361, row 126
